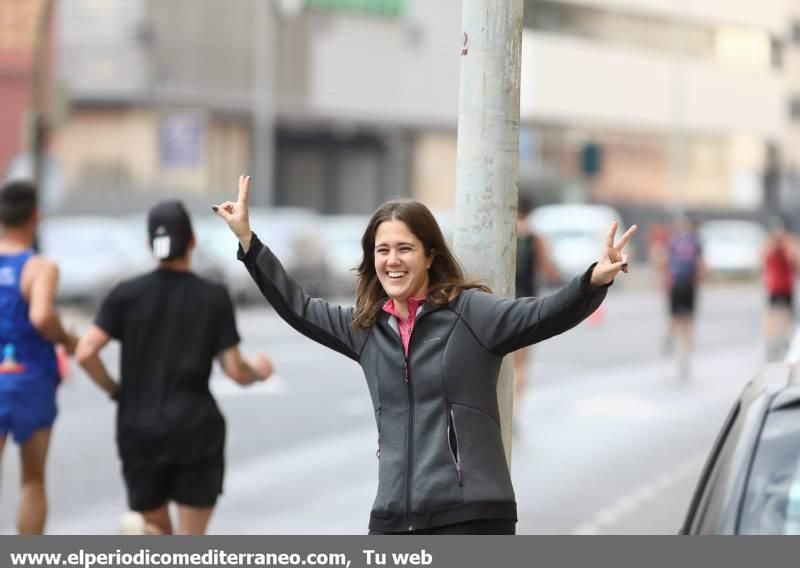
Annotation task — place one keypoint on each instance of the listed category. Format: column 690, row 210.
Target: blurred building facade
column 20, row 22
column 144, row 115
column 655, row 101
column 634, row 101
column 791, row 144
column 172, row 95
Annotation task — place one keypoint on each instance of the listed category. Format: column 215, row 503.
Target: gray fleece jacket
column 440, row 452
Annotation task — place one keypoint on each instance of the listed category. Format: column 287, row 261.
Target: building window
column 777, row 53
column 794, row 108
column 795, row 32
column 730, row 45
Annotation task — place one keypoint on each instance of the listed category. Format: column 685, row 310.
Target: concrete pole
column 39, row 83
column 488, row 157
column 263, row 109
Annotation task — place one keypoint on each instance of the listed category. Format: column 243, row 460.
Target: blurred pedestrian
column 533, row 264
column 683, row 272
column 779, row 260
column 30, row 328
column 171, row 325
column 430, row 344
column 657, row 243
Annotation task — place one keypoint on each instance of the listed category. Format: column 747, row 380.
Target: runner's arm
column 87, row 352
column 242, row 371
column 42, row 306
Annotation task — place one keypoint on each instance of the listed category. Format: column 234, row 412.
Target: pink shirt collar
column 405, row 326
column 413, row 306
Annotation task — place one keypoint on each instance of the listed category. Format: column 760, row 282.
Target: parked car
column 751, row 479
column 732, row 247
column 341, row 235
column 575, row 233
column 293, row 234
column 91, row 252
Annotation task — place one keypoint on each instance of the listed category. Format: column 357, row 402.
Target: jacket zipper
column 409, row 464
column 410, row 437
column 457, row 454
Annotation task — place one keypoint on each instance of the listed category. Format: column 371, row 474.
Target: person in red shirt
column 780, row 264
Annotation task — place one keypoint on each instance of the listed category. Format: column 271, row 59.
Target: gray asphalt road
column 609, row 440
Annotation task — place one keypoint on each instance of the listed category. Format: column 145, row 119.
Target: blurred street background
column 634, row 109
column 609, row 439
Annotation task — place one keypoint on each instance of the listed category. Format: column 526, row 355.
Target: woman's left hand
column 613, row 259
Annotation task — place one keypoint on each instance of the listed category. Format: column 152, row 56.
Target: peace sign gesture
column 613, row 258
column 236, row 214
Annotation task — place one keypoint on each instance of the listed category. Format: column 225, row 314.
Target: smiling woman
column 430, row 344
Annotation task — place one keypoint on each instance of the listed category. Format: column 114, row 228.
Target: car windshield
column 772, row 497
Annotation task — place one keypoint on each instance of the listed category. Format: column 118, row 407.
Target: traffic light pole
column 488, row 157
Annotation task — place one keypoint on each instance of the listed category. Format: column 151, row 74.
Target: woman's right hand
column 236, row 215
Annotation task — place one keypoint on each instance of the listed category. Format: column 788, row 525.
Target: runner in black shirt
column 171, row 324
column 533, row 265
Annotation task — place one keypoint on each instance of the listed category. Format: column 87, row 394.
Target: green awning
column 378, row 7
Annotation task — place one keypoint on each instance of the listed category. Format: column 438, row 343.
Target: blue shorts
column 25, row 409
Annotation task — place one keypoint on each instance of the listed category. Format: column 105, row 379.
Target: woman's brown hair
column 445, row 276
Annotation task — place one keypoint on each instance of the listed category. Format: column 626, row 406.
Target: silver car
column 93, row 253
column 293, row 234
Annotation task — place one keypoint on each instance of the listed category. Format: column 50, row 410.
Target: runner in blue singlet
column 29, row 329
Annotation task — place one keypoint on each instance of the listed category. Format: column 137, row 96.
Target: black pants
column 477, row 526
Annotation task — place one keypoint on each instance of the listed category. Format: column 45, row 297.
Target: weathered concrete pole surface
column 488, row 157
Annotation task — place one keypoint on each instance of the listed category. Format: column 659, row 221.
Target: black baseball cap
column 170, row 229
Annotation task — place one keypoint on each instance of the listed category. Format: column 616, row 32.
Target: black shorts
column 681, row 300
column 194, row 485
column 778, row 300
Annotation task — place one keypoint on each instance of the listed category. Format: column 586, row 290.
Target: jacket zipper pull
column 405, row 371
column 458, row 474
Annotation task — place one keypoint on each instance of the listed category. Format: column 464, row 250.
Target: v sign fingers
column 613, row 259
column 236, row 215
column 244, row 190
column 625, row 238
